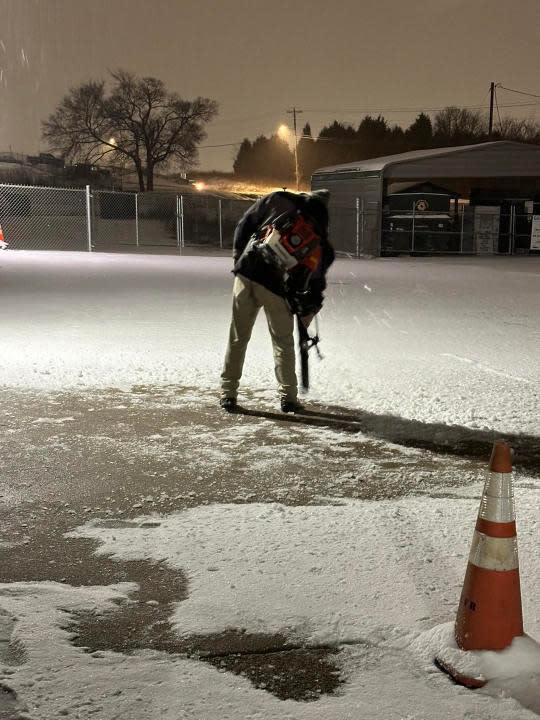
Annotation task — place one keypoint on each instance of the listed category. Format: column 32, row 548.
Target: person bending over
column 281, row 256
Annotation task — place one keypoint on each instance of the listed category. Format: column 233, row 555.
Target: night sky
column 331, row 59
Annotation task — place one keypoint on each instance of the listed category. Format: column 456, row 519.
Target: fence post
column 220, row 225
column 512, row 238
column 462, row 226
column 357, row 227
column 177, row 214
column 137, row 219
column 362, row 224
column 89, row 217
column 412, row 226
column 182, row 236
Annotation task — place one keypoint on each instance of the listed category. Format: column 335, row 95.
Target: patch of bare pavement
column 114, row 455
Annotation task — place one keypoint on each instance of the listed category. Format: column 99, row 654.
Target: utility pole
column 491, row 100
column 294, row 112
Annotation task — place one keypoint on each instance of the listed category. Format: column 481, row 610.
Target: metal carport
column 502, row 168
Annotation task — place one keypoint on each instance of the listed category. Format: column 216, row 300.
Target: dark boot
column 228, row 403
column 290, row 406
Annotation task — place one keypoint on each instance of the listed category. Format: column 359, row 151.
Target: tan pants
column 248, row 298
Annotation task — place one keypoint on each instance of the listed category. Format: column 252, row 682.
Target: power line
column 365, row 111
column 343, row 141
column 483, row 102
column 519, row 92
column 412, row 110
column 482, row 105
column 245, row 118
column 220, row 146
column 497, row 106
column 420, row 108
column 360, row 111
column 527, row 104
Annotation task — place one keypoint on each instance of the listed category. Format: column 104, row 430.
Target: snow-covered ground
column 438, row 340
column 379, row 579
column 441, row 341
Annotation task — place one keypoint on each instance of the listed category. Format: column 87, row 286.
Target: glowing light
column 199, row 186
column 112, row 141
column 284, row 132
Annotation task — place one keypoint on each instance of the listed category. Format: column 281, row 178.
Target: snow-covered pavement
column 360, row 549
column 371, row 578
column 451, row 340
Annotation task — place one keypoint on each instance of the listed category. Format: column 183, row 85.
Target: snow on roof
column 380, row 164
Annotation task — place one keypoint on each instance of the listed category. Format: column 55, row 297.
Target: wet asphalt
column 113, row 455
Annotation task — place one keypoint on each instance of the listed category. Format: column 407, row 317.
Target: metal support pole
column 137, row 219
column 220, row 225
column 89, row 217
column 182, row 236
column 294, row 112
column 177, row 213
column 462, row 227
column 357, row 227
column 511, row 239
column 296, row 171
column 491, row 98
column 509, row 231
column 412, row 227
column 362, row 225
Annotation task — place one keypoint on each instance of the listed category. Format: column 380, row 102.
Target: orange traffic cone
column 3, row 243
column 489, row 616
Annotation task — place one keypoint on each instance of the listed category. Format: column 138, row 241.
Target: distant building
column 45, row 160
column 47, row 169
column 86, row 174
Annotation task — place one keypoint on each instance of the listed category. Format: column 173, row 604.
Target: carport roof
column 383, row 165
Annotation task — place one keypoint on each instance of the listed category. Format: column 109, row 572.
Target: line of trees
column 338, row 142
column 265, row 158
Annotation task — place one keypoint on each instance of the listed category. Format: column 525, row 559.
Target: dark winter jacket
column 252, row 265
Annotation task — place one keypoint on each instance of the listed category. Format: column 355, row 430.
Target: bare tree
column 139, row 121
column 517, row 129
column 459, row 126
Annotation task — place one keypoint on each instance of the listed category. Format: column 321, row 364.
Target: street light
column 284, row 132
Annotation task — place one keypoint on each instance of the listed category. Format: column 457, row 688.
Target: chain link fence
column 49, row 218
column 42, row 217
column 157, row 220
column 200, row 215
column 113, row 219
column 231, row 212
column 353, row 231
column 472, row 230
